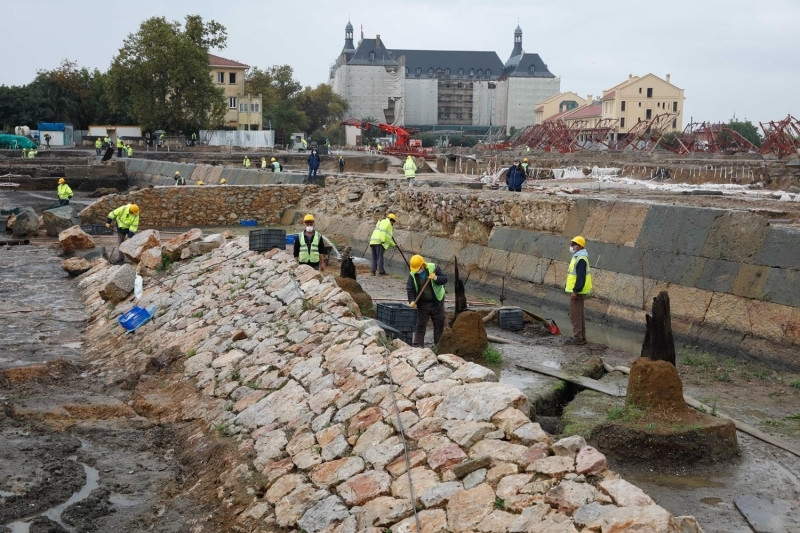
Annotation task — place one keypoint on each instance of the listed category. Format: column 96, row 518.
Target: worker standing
column 525, row 167
column 410, row 168
column 32, row 153
column 246, row 162
column 47, row 140
column 263, row 163
column 578, row 285
column 120, row 147
column 64, row 192
column 106, row 141
column 129, row 150
column 223, row 181
column 309, row 246
column 425, row 291
column 179, row 180
column 341, row 164
column 276, row 166
column 515, row 176
column 98, row 145
column 313, row 166
column 127, row 219
column 381, row 239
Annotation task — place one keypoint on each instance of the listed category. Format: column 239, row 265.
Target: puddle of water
column 54, row 513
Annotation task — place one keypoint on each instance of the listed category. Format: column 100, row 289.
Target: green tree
column 428, row 140
column 747, row 130
column 279, row 98
column 21, row 106
column 161, row 75
column 321, row 106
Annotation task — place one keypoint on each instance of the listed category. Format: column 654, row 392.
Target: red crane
column 402, row 138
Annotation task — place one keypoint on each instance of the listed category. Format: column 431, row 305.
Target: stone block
column 622, row 259
column 750, row 281
column 718, row 275
column 682, row 230
column 781, row 286
column 736, row 236
column 779, row 248
column 615, row 223
column 579, row 213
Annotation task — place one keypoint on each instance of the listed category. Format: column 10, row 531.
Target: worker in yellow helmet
column 98, row 145
column 200, row 183
column 127, row 220
column 425, row 291
column 410, row 168
column 578, row 285
column 381, row 239
column 525, row 167
column 276, row 166
column 64, row 192
column 309, row 246
column 223, row 181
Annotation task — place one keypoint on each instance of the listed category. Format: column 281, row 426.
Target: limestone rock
column 466, row 509
column 74, row 238
column 133, row 248
column 58, row 219
column 151, row 258
column 480, row 401
column 173, row 247
column 75, row 266
column 119, row 284
column 323, row 514
column 26, row 223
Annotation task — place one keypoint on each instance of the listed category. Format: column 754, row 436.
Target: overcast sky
column 732, row 58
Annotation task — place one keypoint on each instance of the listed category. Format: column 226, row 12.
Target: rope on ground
column 741, row 426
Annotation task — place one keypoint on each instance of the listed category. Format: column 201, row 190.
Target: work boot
column 382, row 274
column 372, row 273
column 575, row 342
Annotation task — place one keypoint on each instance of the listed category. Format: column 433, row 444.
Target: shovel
column 550, row 323
column 401, row 252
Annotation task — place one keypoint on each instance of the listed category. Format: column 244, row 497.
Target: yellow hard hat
column 308, row 218
column 200, row 182
column 177, row 172
column 273, row 159
column 580, row 241
column 61, row 180
column 392, row 216
column 223, row 181
column 134, row 209
column 416, row 263
column 525, row 160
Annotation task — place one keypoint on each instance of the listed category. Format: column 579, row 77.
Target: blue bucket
column 135, row 318
column 291, row 238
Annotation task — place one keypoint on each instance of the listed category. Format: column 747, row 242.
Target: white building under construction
column 441, row 89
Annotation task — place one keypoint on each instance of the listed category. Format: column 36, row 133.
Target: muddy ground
column 77, row 456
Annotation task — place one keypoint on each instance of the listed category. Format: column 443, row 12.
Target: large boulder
column 75, row 266
column 133, row 248
column 26, row 222
column 74, row 238
column 58, row 219
column 203, row 246
column 119, row 284
column 173, row 247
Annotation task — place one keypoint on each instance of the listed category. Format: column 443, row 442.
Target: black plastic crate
column 392, row 333
column 98, row 229
column 267, row 239
column 397, row 315
column 511, row 319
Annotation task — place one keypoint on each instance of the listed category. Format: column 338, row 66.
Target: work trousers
column 63, row 201
column 377, row 259
column 121, row 234
column 435, row 311
column 576, row 317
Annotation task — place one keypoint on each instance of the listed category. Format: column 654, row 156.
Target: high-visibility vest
column 572, row 276
column 125, row 219
column 119, row 143
column 305, row 256
column 382, row 234
column 438, row 290
column 64, row 192
column 276, row 167
column 410, row 168
column 98, row 143
column 130, row 151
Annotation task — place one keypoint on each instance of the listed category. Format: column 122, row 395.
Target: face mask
column 309, row 228
column 572, row 249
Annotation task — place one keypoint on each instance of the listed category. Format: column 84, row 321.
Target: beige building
column 243, row 110
column 560, row 103
column 640, row 99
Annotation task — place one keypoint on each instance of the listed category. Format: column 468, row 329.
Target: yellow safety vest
column 410, row 168
column 572, row 276
column 125, row 219
column 382, row 234
column 438, row 290
column 64, row 192
column 305, row 256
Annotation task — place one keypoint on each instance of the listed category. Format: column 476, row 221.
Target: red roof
column 585, row 111
column 217, row 61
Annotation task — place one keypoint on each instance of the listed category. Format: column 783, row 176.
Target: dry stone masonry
column 343, row 426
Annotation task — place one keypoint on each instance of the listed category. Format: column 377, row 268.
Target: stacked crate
column 400, row 319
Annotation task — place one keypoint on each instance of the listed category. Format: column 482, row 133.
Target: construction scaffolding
column 781, row 138
column 644, row 136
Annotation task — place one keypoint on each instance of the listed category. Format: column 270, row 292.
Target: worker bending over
column 127, row 219
column 381, row 239
column 425, row 291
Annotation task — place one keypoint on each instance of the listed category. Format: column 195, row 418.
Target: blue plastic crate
column 248, row 222
column 135, row 318
column 291, row 238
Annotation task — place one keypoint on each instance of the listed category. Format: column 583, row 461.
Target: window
column 232, row 102
column 407, row 71
column 640, row 90
column 461, row 73
column 648, row 114
column 418, row 72
column 472, row 73
column 649, row 92
column 622, row 106
column 254, row 107
column 531, row 69
column 372, row 57
column 488, row 73
column 430, row 72
column 675, row 106
column 220, row 77
column 674, row 123
column 242, row 107
column 439, row 72
column 622, row 122
column 480, row 72
column 232, row 78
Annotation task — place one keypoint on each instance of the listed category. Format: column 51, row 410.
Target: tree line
column 160, row 79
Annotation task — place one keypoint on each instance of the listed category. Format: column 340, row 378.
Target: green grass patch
column 492, row 356
column 795, row 384
column 191, row 353
column 703, row 360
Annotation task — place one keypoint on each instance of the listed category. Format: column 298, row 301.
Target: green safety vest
column 438, row 290
column 98, row 143
column 64, row 192
column 572, row 276
column 125, row 219
column 276, row 167
column 382, row 234
column 304, row 256
column 410, row 168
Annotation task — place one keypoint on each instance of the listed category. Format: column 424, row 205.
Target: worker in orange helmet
column 127, row 220
column 425, row 291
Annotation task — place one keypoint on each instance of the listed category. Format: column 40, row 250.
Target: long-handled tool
column 550, row 323
column 401, row 252
column 427, row 281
